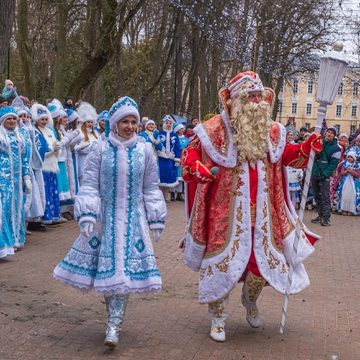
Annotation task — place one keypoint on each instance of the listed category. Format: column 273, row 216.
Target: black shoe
column 326, row 222
column 317, row 220
column 36, row 226
column 172, row 197
column 179, row 197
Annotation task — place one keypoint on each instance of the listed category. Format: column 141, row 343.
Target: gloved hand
column 27, row 184
column 82, row 145
column 202, row 173
column 177, row 164
column 57, row 146
column 156, row 234
column 86, row 228
column 313, row 142
column 69, row 136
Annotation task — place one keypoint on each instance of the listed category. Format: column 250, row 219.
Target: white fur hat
column 86, row 112
column 148, row 122
column 178, row 127
column 125, row 106
column 39, row 111
column 352, row 154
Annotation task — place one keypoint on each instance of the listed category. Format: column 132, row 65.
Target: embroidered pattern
column 94, row 242
column 139, row 260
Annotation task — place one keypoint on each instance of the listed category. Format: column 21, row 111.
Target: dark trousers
column 321, row 189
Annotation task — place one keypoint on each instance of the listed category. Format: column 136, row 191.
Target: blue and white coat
column 168, row 157
column 120, row 194
column 13, row 167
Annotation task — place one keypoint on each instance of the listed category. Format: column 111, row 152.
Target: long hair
column 84, row 131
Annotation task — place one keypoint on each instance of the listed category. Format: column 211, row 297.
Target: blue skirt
column 52, row 206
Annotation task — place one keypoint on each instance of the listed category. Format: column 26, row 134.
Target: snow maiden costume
column 87, row 136
column 348, row 190
column 152, row 137
column 242, row 223
column 14, row 178
column 169, row 157
column 48, row 147
column 118, row 205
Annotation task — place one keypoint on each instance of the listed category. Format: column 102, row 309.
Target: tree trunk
column 25, row 49
column 60, row 49
column 7, row 15
column 111, row 35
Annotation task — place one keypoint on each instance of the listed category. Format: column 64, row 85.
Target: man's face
column 357, row 143
column 329, row 135
column 4, row 103
column 255, row 97
column 195, row 122
column 69, row 102
column 350, row 159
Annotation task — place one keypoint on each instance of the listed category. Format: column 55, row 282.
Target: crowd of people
column 114, row 172
column 44, row 149
column 335, row 180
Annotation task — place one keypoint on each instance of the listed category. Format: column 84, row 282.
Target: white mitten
column 156, row 234
column 27, row 184
column 57, row 146
column 69, row 136
column 82, row 145
column 86, row 228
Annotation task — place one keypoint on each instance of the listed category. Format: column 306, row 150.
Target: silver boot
column 218, row 317
column 115, row 306
column 253, row 286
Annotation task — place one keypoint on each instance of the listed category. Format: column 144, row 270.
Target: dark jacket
column 326, row 161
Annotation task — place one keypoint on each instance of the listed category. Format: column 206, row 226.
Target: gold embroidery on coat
column 272, row 261
column 223, row 266
column 235, row 248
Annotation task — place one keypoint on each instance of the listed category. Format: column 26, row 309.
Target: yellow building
column 298, row 101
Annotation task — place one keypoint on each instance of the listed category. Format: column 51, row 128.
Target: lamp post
column 332, row 69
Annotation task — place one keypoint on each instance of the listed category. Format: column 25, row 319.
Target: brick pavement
column 43, row 319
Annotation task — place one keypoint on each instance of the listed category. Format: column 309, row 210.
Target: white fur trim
column 271, row 261
column 169, row 185
column 194, row 253
column 236, row 254
column 228, row 160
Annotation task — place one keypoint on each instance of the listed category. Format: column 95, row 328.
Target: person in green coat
column 324, row 166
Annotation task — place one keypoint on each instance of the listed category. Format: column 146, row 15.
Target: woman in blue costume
column 151, row 135
column 179, row 130
column 169, row 157
column 348, row 190
column 48, row 148
column 118, row 206
column 14, row 179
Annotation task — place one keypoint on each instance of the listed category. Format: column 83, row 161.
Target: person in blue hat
column 120, row 209
column 14, row 181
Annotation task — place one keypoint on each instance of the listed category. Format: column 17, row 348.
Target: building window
column 310, row 86
column 353, row 110
column 294, row 108
column 308, row 109
column 355, row 89
column 340, row 89
column 338, row 110
column 295, row 86
column 307, row 125
column 280, row 106
column 352, row 129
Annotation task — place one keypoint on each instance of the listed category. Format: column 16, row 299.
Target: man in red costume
column 242, row 223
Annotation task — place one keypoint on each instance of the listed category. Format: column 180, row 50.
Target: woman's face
column 181, row 132
column 126, row 127
column 350, row 159
column 10, row 122
column 168, row 125
column 290, row 137
column 151, row 127
column 357, row 143
column 64, row 120
column 22, row 117
column 42, row 122
column 89, row 124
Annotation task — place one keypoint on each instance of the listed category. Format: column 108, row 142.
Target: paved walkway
column 41, row 318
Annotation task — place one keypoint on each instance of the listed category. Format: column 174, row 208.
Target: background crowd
column 43, row 151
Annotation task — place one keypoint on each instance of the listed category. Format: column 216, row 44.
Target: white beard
column 251, row 124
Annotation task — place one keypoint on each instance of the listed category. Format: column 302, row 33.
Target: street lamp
column 332, row 69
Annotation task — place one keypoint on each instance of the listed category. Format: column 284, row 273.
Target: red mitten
column 313, row 142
